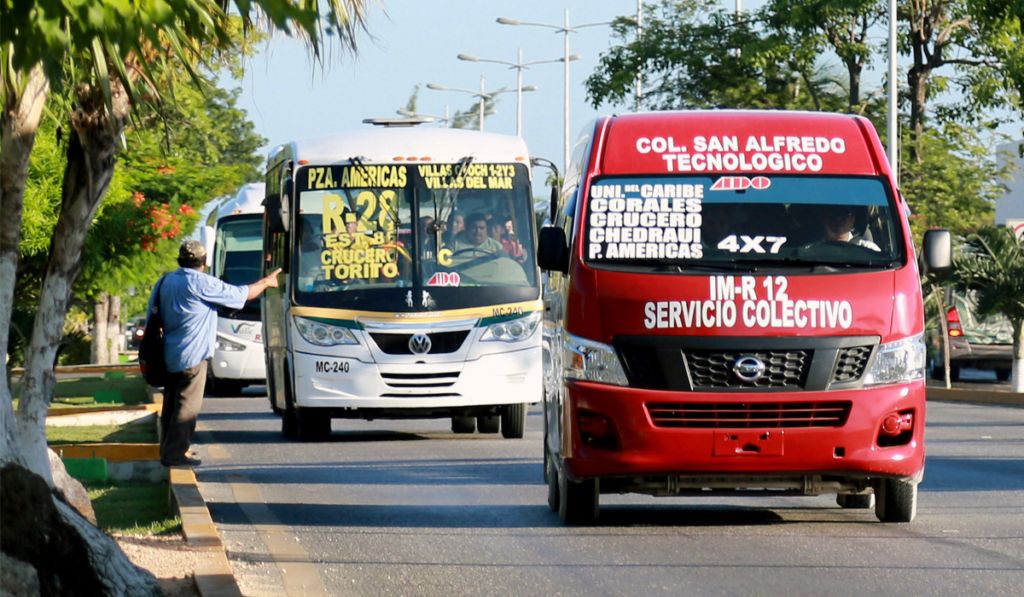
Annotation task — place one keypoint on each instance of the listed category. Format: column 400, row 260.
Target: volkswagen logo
column 748, row 368
column 420, row 344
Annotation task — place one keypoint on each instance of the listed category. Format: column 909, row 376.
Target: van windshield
column 739, row 222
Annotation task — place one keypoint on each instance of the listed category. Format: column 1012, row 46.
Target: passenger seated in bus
column 838, row 224
column 456, row 225
column 500, row 229
column 474, row 239
column 482, row 260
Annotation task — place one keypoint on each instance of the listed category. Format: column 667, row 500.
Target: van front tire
column 578, row 503
column 896, row 500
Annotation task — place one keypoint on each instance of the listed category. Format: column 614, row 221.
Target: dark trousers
column 183, row 399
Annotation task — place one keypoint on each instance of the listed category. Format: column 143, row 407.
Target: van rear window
column 741, row 222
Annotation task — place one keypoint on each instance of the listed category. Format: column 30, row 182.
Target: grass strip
column 133, row 507
column 140, row 433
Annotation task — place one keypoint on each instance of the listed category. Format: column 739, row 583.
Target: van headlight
column 897, row 362
column 588, row 360
column 513, row 330
column 324, row 334
column 225, row 345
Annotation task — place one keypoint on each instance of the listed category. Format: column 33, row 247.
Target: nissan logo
column 420, row 344
column 748, row 368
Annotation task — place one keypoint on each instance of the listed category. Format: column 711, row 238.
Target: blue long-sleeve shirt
column 188, row 305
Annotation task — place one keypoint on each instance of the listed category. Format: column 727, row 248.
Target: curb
column 213, row 575
column 992, row 397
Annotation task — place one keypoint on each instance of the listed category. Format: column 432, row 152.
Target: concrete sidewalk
column 1000, row 397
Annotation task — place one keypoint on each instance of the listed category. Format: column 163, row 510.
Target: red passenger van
column 733, row 305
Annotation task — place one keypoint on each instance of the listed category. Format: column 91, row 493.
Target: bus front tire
column 896, row 500
column 578, row 502
column 312, row 425
column 488, row 424
column 463, row 424
column 513, row 421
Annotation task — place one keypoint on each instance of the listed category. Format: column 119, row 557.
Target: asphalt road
column 407, row 508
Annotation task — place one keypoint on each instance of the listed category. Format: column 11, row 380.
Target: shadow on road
column 480, row 516
column 943, row 473
column 492, row 471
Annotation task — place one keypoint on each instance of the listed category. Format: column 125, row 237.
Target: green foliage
column 956, row 183
column 991, row 263
column 695, row 54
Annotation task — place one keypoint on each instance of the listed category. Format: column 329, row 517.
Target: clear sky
column 412, row 42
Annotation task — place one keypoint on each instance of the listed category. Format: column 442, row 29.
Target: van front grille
column 748, row 415
column 711, row 369
column 850, row 363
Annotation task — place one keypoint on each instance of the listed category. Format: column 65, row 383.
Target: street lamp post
column 519, row 66
column 565, row 29
column 482, row 95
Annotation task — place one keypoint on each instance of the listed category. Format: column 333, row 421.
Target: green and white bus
column 410, row 286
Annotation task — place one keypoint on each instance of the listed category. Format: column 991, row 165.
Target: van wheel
column 551, row 476
column 896, row 500
column 313, row 425
column 578, row 503
column 513, row 421
column 855, row 501
column 488, row 424
column 1003, row 374
column 463, row 424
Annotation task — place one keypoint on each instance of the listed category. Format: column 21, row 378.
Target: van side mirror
column 553, row 250
column 937, row 250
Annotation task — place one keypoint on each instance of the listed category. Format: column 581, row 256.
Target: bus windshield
column 751, row 223
column 236, row 258
column 414, row 237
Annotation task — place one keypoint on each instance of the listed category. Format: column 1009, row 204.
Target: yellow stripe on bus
column 427, row 316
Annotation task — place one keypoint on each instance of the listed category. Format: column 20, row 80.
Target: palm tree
column 991, row 263
column 106, row 60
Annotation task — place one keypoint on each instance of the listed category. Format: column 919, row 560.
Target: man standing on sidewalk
column 188, row 301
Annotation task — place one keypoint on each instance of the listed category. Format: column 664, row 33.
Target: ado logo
column 741, row 183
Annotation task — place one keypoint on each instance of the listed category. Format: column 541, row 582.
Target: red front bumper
column 642, row 448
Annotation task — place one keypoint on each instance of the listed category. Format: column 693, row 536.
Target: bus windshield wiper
column 444, row 208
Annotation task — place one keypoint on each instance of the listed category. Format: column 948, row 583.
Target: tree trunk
column 115, row 335
column 92, row 148
column 1017, row 375
column 853, row 69
column 19, row 121
column 99, row 330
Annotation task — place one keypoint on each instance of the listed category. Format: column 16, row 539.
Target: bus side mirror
column 208, row 236
column 272, row 209
column 937, row 250
column 553, row 250
column 554, row 202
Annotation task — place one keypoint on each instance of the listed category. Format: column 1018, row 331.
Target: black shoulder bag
column 151, row 349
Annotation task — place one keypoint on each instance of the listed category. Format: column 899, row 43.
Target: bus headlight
column 225, row 345
column 324, row 334
column 592, row 361
column 899, row 361
column 513, row 330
